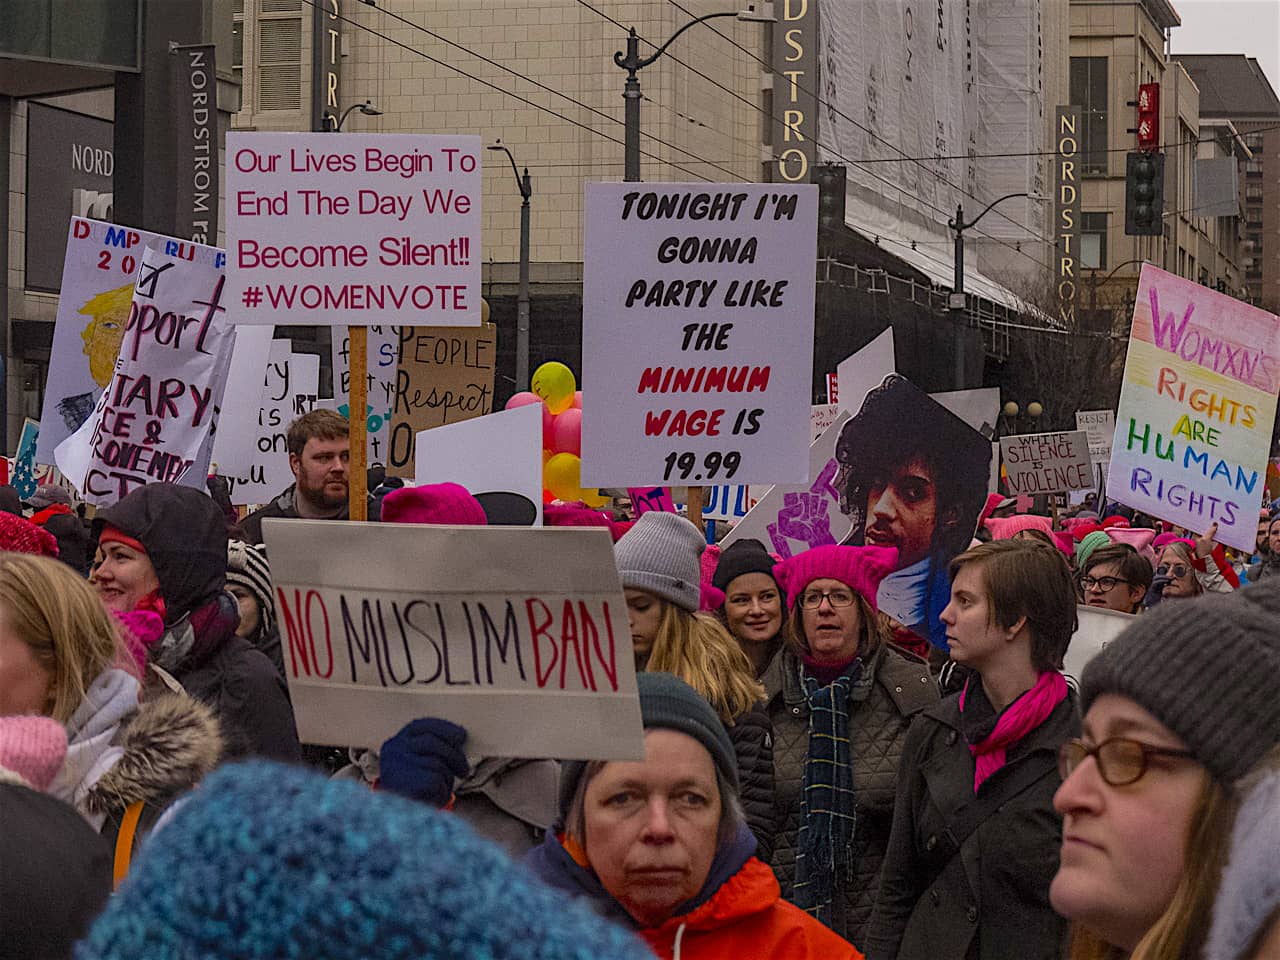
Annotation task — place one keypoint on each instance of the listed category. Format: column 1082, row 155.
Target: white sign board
column 234, row 449
column 1096, row 627
column 1100, row 428
column 156, row 420
column 354, row 228
column 1046, row 463
column 862, row 371
column 697, row 333
column 499, row 452
column 93, row 307
column 383, row 351
column 472, row 624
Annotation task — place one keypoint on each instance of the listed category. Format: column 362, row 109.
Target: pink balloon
column 577, row 399
column 522, row 400
column 548, row 430
column 567, row 433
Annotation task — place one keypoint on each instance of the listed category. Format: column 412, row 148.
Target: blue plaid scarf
column 824, row 846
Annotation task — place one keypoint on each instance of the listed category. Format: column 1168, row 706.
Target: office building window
column 1093, row 241
column 1089, row 93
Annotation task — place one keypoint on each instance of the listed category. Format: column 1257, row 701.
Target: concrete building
column 1235, row 91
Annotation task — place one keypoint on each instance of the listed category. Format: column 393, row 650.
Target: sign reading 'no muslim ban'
column 359, row 229
column 698, row 328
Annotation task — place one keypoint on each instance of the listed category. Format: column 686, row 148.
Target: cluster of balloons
column 555, row 387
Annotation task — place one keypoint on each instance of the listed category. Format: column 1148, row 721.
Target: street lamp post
column 632, row 62
column 334, row 124
column 1094, row 283
column 525, row 187
column 956, row 302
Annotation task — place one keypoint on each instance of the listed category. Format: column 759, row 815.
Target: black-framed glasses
column 1121, row 761
column 1178, row 570
column 1105, row 584
column 812, row 600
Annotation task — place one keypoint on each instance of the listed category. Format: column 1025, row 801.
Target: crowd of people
column 818, row 781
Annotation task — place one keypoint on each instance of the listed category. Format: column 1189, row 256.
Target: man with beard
column 913, row 477
column 318, row 456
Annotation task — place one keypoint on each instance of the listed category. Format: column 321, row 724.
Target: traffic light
column 1144, row 195
column 830, row 178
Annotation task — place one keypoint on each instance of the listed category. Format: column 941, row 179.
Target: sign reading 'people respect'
column 1197, row 404
column 698, row 326
column 356, row 229
column 519, row 635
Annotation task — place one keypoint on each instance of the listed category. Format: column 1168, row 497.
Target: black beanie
column 667, row 703
column 740, row 557
column 1205, row 668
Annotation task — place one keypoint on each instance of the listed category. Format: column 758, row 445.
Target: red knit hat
column 112, row 534
column 859, row 568
column 437, row 503
column 22, row 536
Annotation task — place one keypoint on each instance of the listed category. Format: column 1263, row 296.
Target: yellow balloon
column 593, row 499
column 561, row 475
column 484, row 310
column 555, row 384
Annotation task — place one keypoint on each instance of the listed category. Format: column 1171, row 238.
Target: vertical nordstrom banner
column 326, row 61
column 197, row 174
column 1067, row 220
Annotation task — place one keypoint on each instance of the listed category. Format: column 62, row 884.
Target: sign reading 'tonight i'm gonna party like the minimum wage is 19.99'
column 697, row 334
column 356, row 229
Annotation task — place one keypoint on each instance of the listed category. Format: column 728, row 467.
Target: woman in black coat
column 975, row 839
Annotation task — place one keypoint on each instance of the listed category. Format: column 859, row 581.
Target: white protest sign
column 496, row 453
column 357, row 229
column 791, row 519
column 288, row 391
column 862, row 371
column 1046, row 463
column 93, row 306
column 1096, row 627
column 383, row 349
column 697, row 333
column 234, row 447
column 156, row 419
column 472, row 624
column 1100, row 428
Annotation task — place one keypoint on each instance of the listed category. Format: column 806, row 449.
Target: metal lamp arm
column 961, row 225
column 621, row 59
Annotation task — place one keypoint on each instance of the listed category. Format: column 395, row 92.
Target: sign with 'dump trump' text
column 356, row 229
column 1197, row 404
column 519, row 635
column 698, row 327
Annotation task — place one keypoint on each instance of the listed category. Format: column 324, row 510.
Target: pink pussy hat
column 32, row 750
column 859, row 568
column 440, row 503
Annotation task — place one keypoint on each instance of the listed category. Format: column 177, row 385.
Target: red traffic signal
column 1149, row 117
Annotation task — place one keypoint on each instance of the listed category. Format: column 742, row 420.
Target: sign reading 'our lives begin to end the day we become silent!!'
column 698, row 324
column 360, row 229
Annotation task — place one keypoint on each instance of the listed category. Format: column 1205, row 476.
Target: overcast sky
column 1232, row 26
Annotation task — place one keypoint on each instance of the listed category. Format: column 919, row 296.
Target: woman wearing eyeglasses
column 1175, row 575
column 1171, row 723
column 975, row 839
column 840, row 698
column 1116, row 577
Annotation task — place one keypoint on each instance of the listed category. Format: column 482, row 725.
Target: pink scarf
column 1024, row 715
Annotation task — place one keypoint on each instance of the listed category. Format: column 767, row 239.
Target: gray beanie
column 667, row 703
column 1205, row 668
column 660, row 554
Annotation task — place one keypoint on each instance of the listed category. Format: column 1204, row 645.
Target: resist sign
column 355, row 229
column 469, row 623
column 1047, row 462
column 698, row 328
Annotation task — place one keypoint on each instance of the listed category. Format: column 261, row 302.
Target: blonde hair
column 701, row 652
column 873, row 630
column 60, row 618
column 1181, row 930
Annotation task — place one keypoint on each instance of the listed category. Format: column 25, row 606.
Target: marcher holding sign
column 1197, row 404
column 698, row 325
column 1046, row 462
column 155, row 421
column 372, row 229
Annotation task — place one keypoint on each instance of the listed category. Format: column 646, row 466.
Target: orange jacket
column 747, row 919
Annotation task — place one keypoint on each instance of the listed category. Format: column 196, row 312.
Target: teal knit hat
column 1091, row 542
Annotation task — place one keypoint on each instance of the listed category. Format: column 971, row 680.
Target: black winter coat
column 752, row 738
column 989, row 900
column 895, row 686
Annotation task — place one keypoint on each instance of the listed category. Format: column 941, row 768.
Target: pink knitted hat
column 1140, row 538
column 859, row 568
column 439, row 503
column 1004, row 528
column 32, row 749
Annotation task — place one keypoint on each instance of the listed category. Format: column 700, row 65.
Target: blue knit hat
column 267, row 860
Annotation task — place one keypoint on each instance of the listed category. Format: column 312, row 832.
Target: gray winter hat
column 1205, row 668
column 667, row 703
column 660, row 554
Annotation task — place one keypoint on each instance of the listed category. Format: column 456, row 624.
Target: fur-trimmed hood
column 169, row 745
